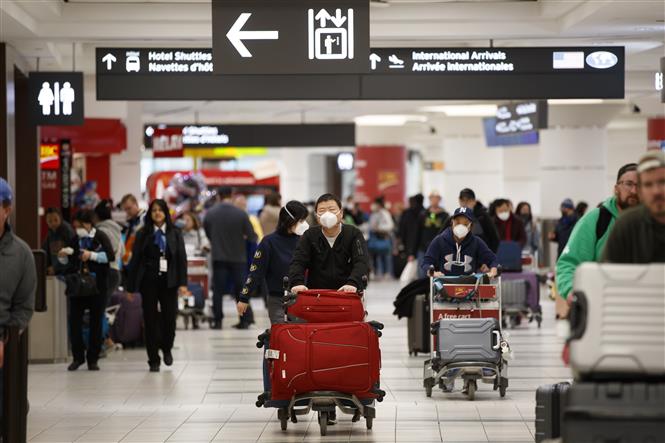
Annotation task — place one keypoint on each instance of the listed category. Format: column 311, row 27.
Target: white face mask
column 301, row 227
column 503, row 215
column 328, row 220
column 460, row 231
column 81, row 232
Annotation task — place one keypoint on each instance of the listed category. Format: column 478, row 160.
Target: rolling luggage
column 307, row 357
column 549, row 401
column 614, row 412
column 509, row 256
column 127, row 327
column 419, row 326
column 325, row 306
column 467, row 340
column 533, row 289
column 618, row 322
column 514, row 294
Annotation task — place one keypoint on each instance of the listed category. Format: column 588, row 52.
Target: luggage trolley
column 323, row 402
column 521, row 294
column 466, row 297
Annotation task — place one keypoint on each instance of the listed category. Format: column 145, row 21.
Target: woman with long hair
column 158, row 270
column 272, row 260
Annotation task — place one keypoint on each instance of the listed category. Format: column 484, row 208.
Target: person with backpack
column 483, row 227
column 590, row 234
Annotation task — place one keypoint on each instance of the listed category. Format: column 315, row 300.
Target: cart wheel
column 323, row 422
column 502, row 391
column 368, row 422
column 472, row 390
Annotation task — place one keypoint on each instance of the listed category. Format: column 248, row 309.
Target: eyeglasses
column 628, row 184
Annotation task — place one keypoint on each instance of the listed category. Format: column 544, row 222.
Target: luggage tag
column 163, row 264
column 272, row 354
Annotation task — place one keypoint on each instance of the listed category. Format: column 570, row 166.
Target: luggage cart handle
column 496, row 334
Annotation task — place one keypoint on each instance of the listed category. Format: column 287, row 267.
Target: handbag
column 81, row 284
column 409, row 273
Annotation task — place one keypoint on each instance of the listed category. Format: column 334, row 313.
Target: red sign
column 380, row 171
column 49, row 156
column 167, row 142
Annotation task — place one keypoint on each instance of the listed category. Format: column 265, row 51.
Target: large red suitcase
column 307, row 357
column 325, row 306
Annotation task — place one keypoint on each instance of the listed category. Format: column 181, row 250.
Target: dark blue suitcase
column 509, row 256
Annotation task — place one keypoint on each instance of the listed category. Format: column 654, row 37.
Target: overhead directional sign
column 290, row 36
column 393, row 74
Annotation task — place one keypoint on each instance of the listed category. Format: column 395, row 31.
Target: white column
column 126, row 167
column 572, row 165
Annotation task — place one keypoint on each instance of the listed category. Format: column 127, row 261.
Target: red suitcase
column 307, row 357
column 325, row 306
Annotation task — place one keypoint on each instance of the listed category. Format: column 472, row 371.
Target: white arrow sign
column 236, row 35
column 109, row 59
column 374, row 59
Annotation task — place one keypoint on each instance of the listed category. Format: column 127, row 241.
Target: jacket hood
column 111, row 226
column 611, row 205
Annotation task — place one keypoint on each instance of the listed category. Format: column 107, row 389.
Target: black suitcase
column 614, row 412
column 419, row 335
column 549, row 400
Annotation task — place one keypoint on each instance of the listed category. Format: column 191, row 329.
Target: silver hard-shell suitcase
column 468, row 340
column 618, row 322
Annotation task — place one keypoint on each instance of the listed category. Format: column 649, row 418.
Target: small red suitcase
column 325, row 306
column 307, row 357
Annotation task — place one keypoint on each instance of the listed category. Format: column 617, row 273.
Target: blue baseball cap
column 464, row 212
column 6, row 193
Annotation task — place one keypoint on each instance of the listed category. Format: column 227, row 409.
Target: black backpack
column 603, row 223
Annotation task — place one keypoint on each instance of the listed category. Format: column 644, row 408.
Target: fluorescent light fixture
column 389, row 120
column 463, row 110
column 574, row 101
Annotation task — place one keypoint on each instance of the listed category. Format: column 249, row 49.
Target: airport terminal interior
column 448, row 214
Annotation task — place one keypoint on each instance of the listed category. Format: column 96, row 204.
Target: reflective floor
column 209, row 392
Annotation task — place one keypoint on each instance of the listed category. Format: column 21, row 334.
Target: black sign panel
column 286, row 135
column 515, row 118
column 290, row 37
column 56, row 98
column 488, row 74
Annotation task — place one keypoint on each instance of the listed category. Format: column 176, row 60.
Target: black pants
column 159, row 323
column 77, row 307
column 220, row 277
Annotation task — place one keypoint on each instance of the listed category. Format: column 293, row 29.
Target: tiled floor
column 209, row 393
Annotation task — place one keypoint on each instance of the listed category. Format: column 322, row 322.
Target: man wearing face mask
column 333, row 255
column 457, row 251
column 587, row 241
column 510, row 228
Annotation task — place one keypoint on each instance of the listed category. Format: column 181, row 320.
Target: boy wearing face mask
column 333, row 255
column 456, row 251
column 272, row 259
column 510, row 228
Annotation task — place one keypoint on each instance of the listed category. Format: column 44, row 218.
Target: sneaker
column 154, row 368
column 75, row 365
column 241, row 325
column 93, row 367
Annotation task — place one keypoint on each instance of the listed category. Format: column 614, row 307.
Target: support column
column 126, row 166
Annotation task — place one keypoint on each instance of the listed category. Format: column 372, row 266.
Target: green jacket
column 583, row 246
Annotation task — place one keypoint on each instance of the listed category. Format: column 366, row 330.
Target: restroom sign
column 267, row 37
column 56, row 98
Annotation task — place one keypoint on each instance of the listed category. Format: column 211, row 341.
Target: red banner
column 380, row 171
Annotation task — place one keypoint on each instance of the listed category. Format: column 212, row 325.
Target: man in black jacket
column 333, row 255
column 638, row 235
column 484, row 226
column 60, row 236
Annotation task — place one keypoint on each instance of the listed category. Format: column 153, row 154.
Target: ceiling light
column 574, row 101
column 389, row 120
column 463, row 110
